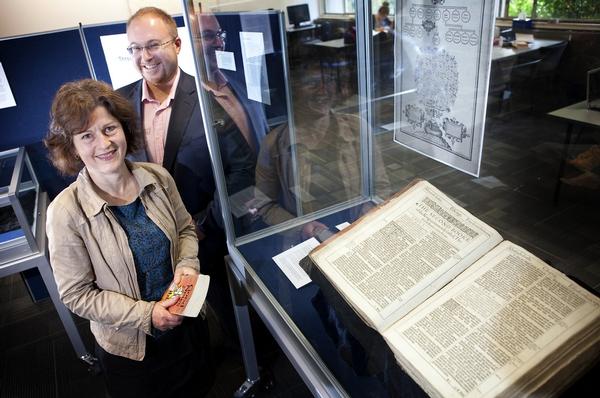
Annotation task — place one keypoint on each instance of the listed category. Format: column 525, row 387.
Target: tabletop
column 505, row 52
column 578, row 113
column 335, row 43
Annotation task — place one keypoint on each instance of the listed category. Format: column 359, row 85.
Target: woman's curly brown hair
column 70, row 114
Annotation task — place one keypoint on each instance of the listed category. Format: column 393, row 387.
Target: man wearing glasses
column 167, row 104
column 230, row 94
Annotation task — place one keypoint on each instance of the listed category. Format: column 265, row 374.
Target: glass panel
column 9, row 225
column 287, row 97
column 539, row 180
column 309, row 153
column 431, row 73
column 517, row 7
column 555, row 9
column 7, row 165
column 27, row 194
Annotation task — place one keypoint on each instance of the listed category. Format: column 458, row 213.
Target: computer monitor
column 297, row 14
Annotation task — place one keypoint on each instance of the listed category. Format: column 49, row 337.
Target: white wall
column 21, row 17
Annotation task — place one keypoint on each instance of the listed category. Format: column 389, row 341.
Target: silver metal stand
column 242, row 319
column 28, row 251
column 39, row 260
column 247, row 288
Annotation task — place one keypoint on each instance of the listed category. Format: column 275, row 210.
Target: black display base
column 362, row 347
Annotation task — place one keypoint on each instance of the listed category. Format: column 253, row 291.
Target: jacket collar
column 92, row 203
column 183, row 107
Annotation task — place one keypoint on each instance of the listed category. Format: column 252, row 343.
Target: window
column 555, row 9
column 349, row 6
column 339, row 7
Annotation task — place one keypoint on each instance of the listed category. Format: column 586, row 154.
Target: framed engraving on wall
column 443, row 50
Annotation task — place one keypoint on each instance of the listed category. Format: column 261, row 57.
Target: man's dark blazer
column 186, row 150
column 255, row 112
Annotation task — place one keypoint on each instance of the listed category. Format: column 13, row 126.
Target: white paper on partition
column 255, row 68
column 225, row 60
column 443, row 50
column 7, row 99
column 289, row 262
column 259, row 22
column 121, row 69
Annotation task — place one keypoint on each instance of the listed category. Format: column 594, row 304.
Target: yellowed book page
column 396, row 256
column 503, row 316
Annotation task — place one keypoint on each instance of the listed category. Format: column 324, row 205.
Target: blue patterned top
column 150, row 248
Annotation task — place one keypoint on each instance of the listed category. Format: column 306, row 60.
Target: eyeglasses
column 211, row 35
column 152, row 47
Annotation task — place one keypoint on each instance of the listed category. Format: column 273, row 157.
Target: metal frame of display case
column 249, row 283
column 29, row 251
column 246, row 287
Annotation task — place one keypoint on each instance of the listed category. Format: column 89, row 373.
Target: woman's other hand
column 312, row 228
column 162, row 319
column 183, row 270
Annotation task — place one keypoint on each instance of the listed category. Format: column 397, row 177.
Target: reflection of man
column 248, row 115
column 167, row 103
column 324, row 139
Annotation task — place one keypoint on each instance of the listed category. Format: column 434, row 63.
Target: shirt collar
column 147, row 96
column 217, row 90
column 92, row 203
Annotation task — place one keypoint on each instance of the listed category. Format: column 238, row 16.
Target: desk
column 499, row 53
column 576, row 114
column 303, row 28
column 336, row 44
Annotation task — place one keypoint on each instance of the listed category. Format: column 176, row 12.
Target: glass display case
column 369, row 109
column 19, row 200
column 23, row 243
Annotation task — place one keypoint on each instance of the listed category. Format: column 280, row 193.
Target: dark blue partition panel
column 35, row 67
column 92, row 37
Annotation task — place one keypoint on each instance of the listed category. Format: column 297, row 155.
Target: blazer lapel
column 183, row 105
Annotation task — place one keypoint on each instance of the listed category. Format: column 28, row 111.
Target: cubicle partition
column 35, row 67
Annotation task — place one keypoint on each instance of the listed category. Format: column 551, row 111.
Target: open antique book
column 464, row 312
column 192, row 290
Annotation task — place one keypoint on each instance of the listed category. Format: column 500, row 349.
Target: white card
column 289, row 262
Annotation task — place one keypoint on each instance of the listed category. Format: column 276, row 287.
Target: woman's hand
column 312, row 228
column 162, row 319
column 179, row 271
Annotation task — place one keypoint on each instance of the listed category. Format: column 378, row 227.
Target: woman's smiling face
column 102, row 145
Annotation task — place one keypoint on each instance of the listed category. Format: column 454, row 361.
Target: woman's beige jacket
column 93, row 264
